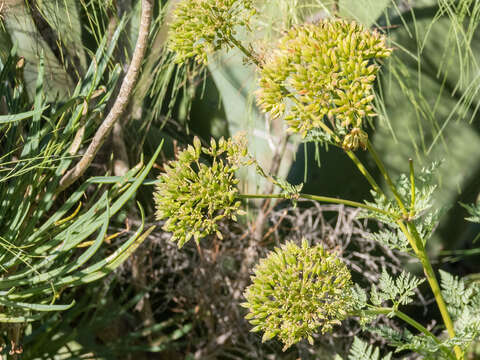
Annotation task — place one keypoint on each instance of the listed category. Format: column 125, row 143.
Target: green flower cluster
column 200, row 27
column 297, row 290
column 195, row 196
column 321, row 72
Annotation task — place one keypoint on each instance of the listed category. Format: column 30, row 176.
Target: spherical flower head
column 200, row 27
column 297, row 290
column 323, row 75
column 193, row 196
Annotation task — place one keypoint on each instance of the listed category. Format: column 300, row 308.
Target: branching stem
column 410, row 321
column 412, row 189
column 414, row 237
column 411, row 232
column 350, row 154
column 387, row 178
column 364, row 172
column 315, row 198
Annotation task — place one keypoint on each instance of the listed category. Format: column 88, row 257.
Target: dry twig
column 120, row 103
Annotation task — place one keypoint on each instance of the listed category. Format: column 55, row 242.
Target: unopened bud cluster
column 195, row 196
column 200, row 27
column 297, row 290
column 323, row 75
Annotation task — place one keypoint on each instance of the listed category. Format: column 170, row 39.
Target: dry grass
column 206, row 283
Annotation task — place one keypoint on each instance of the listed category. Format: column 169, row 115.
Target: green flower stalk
column 320, row 77
column 194, row 196
column 200, row 27
column 297, row 290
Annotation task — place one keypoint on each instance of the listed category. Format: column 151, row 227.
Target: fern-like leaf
column 399, row 290
column 404, row 340
column 455, row 293
column 474, row 211
column 362, row 351
column 463, row 303
column 393, row 239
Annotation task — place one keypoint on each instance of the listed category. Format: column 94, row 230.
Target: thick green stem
column 432, row 280
column 387, row 178
column 417, row 245
column 411, row 322
column 350, row 154
column 315, row 198
column 364, row 172
column 410, row 231
column 412, row 189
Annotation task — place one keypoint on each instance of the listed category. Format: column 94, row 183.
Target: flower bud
column 355, row 139
column 200, row 27
column 327, row 70
column 309, row 289
column 193, row 196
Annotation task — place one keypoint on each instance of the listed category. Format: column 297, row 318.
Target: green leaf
column 5, row 119
column 363, row 351
column 36, row 307
column 20, row 319
column 399, row 290
column 474, row 211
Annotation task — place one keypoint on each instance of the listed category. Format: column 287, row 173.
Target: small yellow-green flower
column 194, row 196
column 298, row 290
column 354, row 139
column 322, row 75
column 200, row 27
